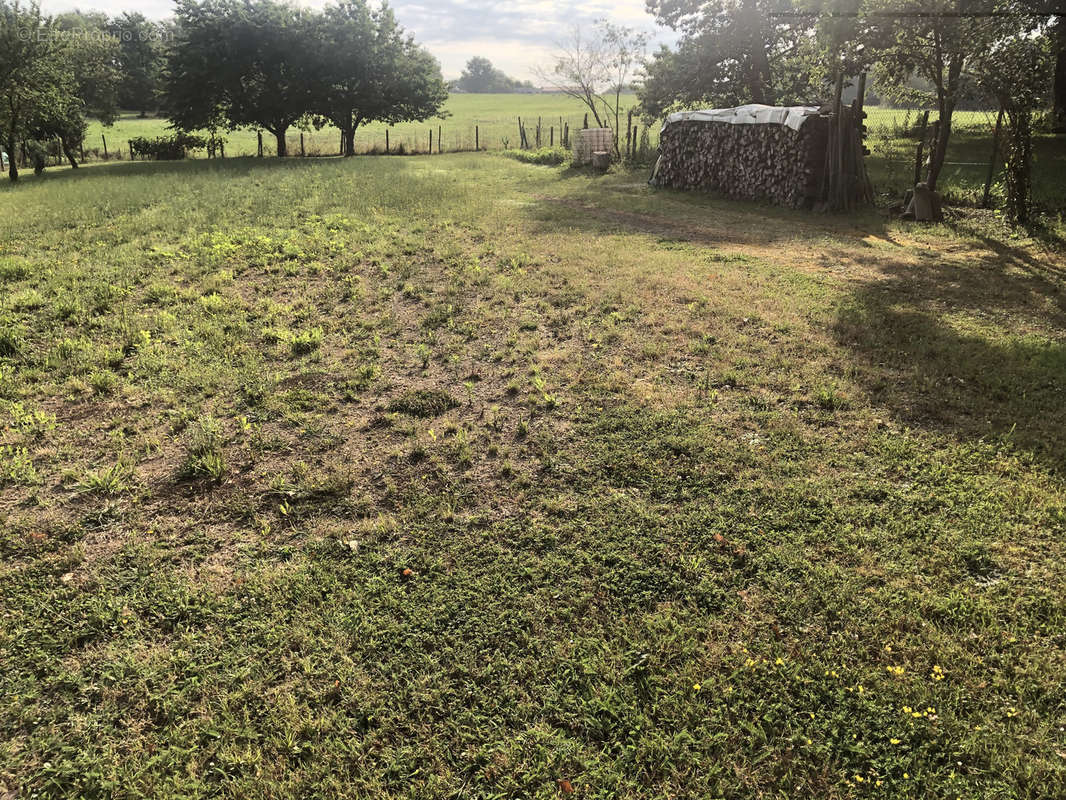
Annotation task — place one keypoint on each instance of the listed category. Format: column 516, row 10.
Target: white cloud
column 516, row 36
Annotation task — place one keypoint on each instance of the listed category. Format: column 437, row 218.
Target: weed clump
column 204, row 454
column 10, row 341
column 307, row 341
column 424, row 403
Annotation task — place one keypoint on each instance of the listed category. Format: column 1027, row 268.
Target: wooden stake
column 106, row 156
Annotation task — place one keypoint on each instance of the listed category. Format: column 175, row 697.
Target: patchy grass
column 440, row 476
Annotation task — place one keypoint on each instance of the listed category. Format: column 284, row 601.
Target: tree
column 935, row 40
column 596, row 69
column 140, row 60
column 27, row 46
column 371, row 71
column 730, row 52
column 1059, row 97
column 480, row 77
column 1017, row 70
column 252, row 63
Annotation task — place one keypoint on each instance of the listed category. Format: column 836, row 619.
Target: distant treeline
column 217, row 65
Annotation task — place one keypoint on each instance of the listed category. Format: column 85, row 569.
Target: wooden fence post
column 386, row 141
column 440, row 139
column 106, row 156
column 630, row 139
column 477, row 138
column 431, row 141
column 302, row 152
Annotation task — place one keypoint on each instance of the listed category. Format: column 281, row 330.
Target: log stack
column 764, row 161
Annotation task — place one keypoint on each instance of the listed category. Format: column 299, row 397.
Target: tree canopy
column 370, row 71
column 51, row 78
column 268, row 64
column 730, row 52
column 481, row 77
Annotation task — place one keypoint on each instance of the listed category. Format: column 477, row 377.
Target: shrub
column 167, row 148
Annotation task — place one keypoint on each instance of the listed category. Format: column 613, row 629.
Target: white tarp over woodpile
column 752, row 114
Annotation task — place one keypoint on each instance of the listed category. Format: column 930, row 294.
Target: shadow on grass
column 244, row 165
column 623, row 203
column 974, row 349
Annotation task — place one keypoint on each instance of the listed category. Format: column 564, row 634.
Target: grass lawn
column 459, row 477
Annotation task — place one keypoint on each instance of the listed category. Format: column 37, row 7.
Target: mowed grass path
column 452, row 476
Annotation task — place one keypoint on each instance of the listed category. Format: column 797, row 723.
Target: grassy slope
column 731, row 502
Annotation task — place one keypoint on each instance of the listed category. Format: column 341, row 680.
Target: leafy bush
column 167, row 148
column 548, row 156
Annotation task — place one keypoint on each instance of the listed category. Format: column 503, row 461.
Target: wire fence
column 893, row 137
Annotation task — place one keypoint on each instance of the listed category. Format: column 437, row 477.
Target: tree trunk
column 68, row 151
column 12, row 164
column 282, row 146
column 1019, row 165
column 759, row 84
column 1058, row 119
column 948, row 97
column 939, row 153
column 347, row 128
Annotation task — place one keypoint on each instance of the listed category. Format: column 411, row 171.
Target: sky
column 516, row 35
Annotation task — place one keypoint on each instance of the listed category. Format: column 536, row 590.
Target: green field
column 453, row 476
column 495, row 116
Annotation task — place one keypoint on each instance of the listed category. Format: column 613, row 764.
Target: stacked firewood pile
column 806, row 168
